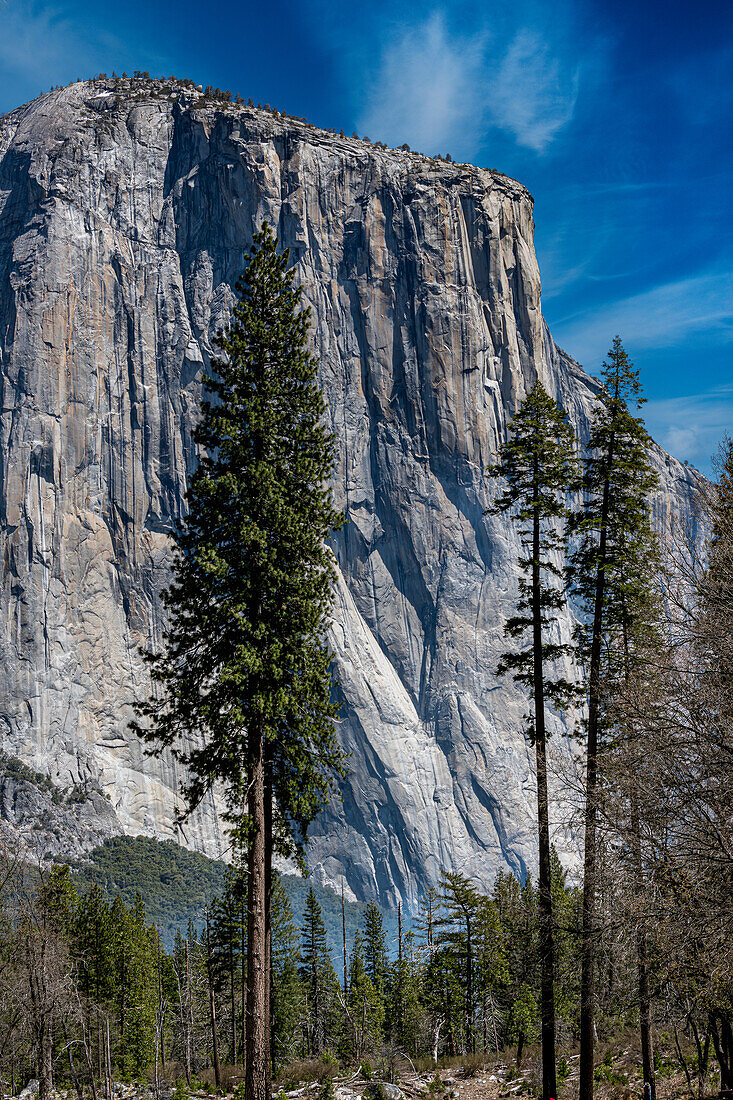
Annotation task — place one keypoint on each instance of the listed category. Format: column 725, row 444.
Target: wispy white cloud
column 661, row 317
column 692, row 427
column 533, row 93
column 426, row 87
column 438, row 87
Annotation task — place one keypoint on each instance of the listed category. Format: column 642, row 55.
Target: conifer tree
column 406, row 1010
column 375, row 947
column 366, row 1005
column 227, row 947
column 142, row 990
column 492, row 971
column 288, row 997
column 539, row 466
column 445, row 998
column 317, row 973
column 427, row 914
column 458, row 930
column 611, row 577
column 94, row 948
column 244, row 673
column 59, row 898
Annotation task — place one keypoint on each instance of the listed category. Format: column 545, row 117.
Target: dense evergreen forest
column 177, row 884
column 91, row 980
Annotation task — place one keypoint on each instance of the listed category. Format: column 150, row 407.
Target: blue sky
column 616, row 114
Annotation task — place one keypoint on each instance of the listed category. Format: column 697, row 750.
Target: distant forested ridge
column 176, row 884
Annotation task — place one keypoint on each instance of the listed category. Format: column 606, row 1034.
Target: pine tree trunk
column 86, row 1040
column 588, row 936
column 243, row 934
column 268, row 927
column 256, row 1072
column 587, row 971
column 161, row 1006
column 547, row 949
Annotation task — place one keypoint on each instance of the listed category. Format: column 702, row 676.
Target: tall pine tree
column 540, row 468
column 242, row 685
column 317, row 974
column 610, row 571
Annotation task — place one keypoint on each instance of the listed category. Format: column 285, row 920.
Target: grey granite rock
column 125, row 219
column 41, row 824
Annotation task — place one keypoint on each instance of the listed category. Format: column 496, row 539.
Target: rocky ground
column 493, row 1080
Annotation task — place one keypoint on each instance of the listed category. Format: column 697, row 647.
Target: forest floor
column 498, row 1081
column 472, row 1080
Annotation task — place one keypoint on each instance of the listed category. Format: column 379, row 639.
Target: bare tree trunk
column 156, row 1074
column 493, row 1023
column 100, row 1049
column 162, row 1006
column 343, row 935
column 256, row 1073
column 683, row 1062
column 232, row 999
column 72, row 1068
column 160, row 1037
column 363, row 1028
column 436, row 1040
column 212, row 1009
column 186, row 1013
column 89, row 1059
column 471, row 1044
column 45, row 1064
column 400, row 1028
column 723, row 1045
column 703, row 1053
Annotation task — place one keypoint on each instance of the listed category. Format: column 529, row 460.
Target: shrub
column 326, row 1091
column 375, row 1090
column 301, row 1072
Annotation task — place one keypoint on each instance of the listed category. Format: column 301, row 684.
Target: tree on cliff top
column 539, row 466
column 244, row 672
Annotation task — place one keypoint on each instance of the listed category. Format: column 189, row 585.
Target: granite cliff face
column 125, row 217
